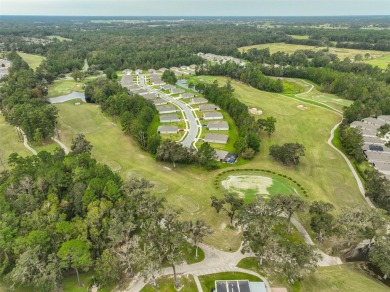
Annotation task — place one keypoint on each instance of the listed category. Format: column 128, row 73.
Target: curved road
column 189, row 113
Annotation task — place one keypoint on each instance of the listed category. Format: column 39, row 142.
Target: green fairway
column 322, row 172
column 340, row 52
column 208, row 281
column 299, row 37
column 32, row 60
column 66, row 86
column 381, row 62
column 165, row 284
column 341, row 278
column 9, row 142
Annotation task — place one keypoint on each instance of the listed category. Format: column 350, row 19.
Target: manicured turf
column 341, row 278
column 165, row 284
column 382, row 62
column 340, row 52
column 32, row 60
column 208, row 281
column 299, row 37
column 322, row 172
column 9, row 142
column 66, row 86
column 70, row 284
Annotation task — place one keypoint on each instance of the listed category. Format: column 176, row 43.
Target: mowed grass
column 9, row 142
column 66, row 86
column 381, row 62
column 322, row 171
column 340, row 52
column 185, row 187
column 341, row 278
column 32, row 60
column 299, row 37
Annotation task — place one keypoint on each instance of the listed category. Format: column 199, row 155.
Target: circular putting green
column 249, row 184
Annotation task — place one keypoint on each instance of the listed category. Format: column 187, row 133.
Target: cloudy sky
column 195, row 7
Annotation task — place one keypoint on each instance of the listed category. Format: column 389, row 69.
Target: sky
column 195, row 7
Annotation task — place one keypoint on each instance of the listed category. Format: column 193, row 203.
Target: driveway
column 192, row 119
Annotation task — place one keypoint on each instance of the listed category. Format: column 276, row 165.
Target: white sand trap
column 242, row 183
column 255, row 111
column 302, row 107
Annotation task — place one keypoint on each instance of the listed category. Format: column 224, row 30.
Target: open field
column 340, row 52
column 299, row 37
column 9, row 142
column 32, row 60
column 343, row 278
column 381, row 62
column 208, row 281
column 180, row 186
column 66, row 86
column 322, row 172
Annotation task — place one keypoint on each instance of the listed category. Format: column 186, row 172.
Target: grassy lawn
column 299, row 37
column 69, row 284
column 322, row 172
column 9, row 142
column 340, row 52
column 66, row 86
column 165, row 284
column 381, row 62
column 32, row 60
column 341, row 278
column 208, row 281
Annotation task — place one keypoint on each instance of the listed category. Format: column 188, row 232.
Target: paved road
column 192, row 119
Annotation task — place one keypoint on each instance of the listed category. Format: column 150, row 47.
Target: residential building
column 159, row 101
column 187, row 95
column 385, row 119
column 168, row 130
column 176, row 90
column 212, row 116
column 169, row 118
column 216, row 138
column 150, row 95
column 166, row 109
column 218, row 126
column 208, row 107
column 374, row 121
column 199, row 100
column 239, row 286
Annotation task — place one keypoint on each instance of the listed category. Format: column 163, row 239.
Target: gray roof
column 168, row 87
column 168, row 129
column 176, row 90
column 363, row 125
column 199, row 100
column 369, row 132
column 377, row 156
column 150, row 95
column 213, row 115
column 138, row 91
column 384, row 118
column 219, row 124
column 374, row 121
column 169, row 117
column 382, row 166
column 232, row 286
column 127, row 80
column 159, row 101
column 208, row 107
column 187, row 94
column 166, row 108
column 216, row 138
column 221, row 154
column 373, row 140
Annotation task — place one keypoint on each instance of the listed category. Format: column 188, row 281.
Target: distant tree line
column 22, row 101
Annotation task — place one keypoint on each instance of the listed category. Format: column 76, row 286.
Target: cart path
column 62, row 145
column 25, row 142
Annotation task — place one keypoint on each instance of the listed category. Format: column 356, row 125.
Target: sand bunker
column 255, row 111
column 242, row 183
column 302, row 107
